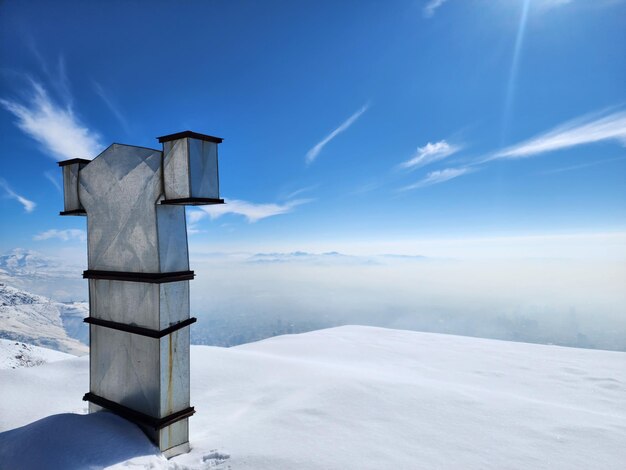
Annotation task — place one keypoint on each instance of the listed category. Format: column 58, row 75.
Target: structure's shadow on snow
column 71, row 442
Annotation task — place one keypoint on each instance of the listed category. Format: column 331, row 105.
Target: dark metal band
column 192, row 135
column 139, row 330
column 154, row 278
column 74, row 160
column 193, row 201
column 137, row 416
column 74, row 212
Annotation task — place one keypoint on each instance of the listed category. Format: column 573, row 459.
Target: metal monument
column 138, row 272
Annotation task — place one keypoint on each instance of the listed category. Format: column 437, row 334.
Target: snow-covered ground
column 345, row 398
column 14, row 354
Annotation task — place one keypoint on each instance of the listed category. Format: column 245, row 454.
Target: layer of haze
column 241, row 298
column 554, row 289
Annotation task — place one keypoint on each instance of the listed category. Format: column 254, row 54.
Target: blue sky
column 347, row 124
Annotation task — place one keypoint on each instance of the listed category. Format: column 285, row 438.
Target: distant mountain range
column 33, row 272
column 20, row 262
column 331, row 257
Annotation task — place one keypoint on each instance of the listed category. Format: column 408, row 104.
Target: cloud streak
column 54, row 179
column 439, row 176
column 112, row 107
column 297, row 192
column 603, row 126
column 585, row 130
column 56, row 128
column 317, row 148
column 64, row 235
column 253, row 212
column 581, row 166
column 432, row 6
column 29, row 205
column 430, row 153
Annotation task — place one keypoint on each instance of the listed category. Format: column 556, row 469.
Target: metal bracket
column 153, row 278
column 74, row 212
column 139, row 330
column 136, row 416
column 193, row 201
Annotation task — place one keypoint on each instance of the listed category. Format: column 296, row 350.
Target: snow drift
column 14, row 355
column 348, row 397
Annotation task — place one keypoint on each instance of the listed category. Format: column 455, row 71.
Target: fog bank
column 240, row 298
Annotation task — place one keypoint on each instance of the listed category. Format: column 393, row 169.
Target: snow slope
column 346, row 398
column 38, row 320
column 14, row 355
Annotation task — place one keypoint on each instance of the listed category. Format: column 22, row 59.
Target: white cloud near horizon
column 432, row 6
column 584, row 130
column 29, row 205
column 56, row 128
column 317, row 148
column 253, row 212
column 64, row 235
column 430, row 153
column 438, row 176
column 195, row 215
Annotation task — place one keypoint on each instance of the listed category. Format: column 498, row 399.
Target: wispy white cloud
column 195, row 215
column 432, row 6
column 253, row 212
column 64, row 235
column 368, row 187
column 585, row 130
column 439, row 176
column 113, row 107
column 601, row 126
column 192, row 229
column 297, row 192
column 581, row 166
column 55, row 127
column 54, row 179
column 56, row 75
column 29, row 205
column 315, row 151
column 430, row 153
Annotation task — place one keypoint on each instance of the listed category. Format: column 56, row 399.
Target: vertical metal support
column 138, row 271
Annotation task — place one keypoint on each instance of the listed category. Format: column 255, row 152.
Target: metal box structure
column 138, row 272
column 71, row 202
column 190, row 168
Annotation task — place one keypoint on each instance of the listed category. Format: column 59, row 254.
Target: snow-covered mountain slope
column 347, row 398
column 37, row 320
column 14, row 355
